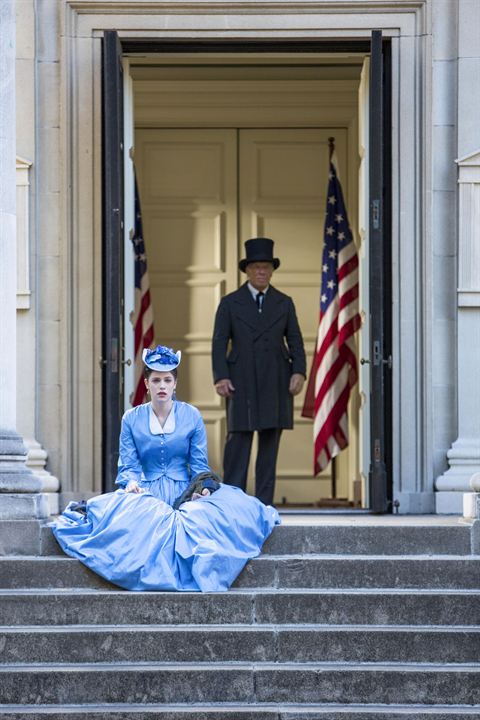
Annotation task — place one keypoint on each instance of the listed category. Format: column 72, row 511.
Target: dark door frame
column 112, row 255
column 379, row 281
column 380, row 476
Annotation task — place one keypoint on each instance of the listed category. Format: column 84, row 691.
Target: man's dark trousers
column 236, row 458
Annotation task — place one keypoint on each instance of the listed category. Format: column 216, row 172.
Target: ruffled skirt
column 137, row 541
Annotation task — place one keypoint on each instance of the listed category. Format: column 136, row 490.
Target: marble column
column 464, row 455
column 19, row 488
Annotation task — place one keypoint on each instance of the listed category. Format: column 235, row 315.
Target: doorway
column 245, row 121
column 203, row 192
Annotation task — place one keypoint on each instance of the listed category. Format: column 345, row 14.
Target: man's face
column 259, row 274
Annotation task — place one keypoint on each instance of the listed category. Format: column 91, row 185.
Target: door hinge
column 114, row 354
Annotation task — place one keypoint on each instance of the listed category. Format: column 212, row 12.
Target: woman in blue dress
column 133, row 536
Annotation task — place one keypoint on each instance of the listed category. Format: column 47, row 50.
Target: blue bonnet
column 161, row 358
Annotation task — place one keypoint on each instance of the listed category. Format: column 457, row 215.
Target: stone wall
column 436, row 98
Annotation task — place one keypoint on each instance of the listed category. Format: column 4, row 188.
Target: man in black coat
column 258, row 366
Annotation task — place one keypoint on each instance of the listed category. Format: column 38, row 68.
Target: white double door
column 203, row 193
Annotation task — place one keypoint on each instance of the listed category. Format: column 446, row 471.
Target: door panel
column 364, row 284
column 113, row 249
column 283, row 181
column 188, row 190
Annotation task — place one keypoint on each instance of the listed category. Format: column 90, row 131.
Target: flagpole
column 333, row 461
column 331, row 147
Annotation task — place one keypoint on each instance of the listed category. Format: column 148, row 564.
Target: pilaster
column 19, row 488
column 464, row 455
column 27, row 338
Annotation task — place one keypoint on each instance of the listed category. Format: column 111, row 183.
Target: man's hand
column 296, row 384
column 133, row 487
column 224, row 388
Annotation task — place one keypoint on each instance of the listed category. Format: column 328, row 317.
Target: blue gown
column 138, row 541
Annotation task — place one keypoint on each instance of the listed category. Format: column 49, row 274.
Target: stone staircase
column 335, row 622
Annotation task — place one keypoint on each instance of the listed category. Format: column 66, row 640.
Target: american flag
column 143, row 315
column 334, row 367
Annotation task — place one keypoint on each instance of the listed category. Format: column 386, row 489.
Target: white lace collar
column 154, row 422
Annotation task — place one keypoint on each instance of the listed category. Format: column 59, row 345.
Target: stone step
column 241, row 683
column 227, row 643
column 329, row 616
column 370, row 539
column 240, row 607
column 358, row 571
column 260, row 711
column 306, row 571
column 332, row 538
column 48, row 572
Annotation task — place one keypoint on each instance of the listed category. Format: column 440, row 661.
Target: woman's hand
column 205, row 493
column 133, row 487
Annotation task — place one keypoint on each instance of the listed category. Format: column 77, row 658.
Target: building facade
column 253, row 90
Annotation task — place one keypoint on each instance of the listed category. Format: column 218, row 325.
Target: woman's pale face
column 161, row 386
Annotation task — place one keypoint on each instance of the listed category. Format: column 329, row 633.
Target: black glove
column 204, row 480
column 80, row 507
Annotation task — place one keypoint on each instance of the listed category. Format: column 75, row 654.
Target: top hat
column 258, row 250
column 161, row 358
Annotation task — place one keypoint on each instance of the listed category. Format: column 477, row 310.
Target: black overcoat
column 258, row 352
